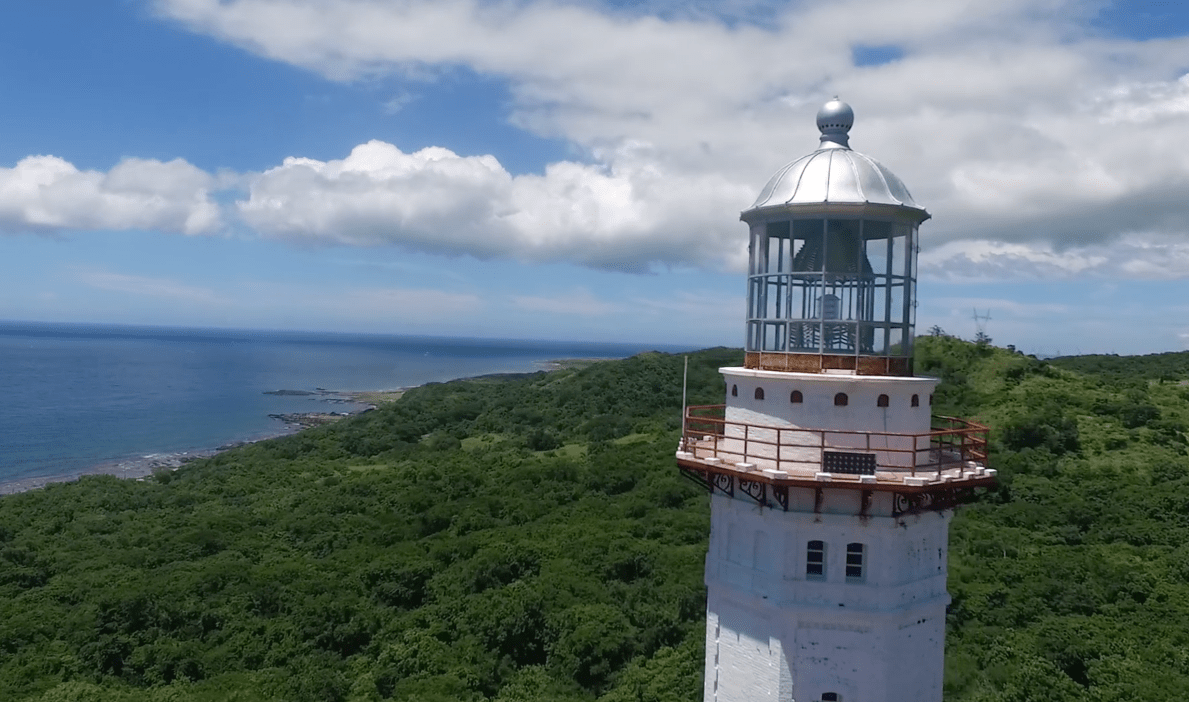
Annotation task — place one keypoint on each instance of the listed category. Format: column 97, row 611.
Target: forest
column 529, row 538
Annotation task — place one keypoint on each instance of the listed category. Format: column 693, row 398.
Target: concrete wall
column 774, row 633
column 818, row 411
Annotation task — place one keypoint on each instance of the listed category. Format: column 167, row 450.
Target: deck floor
column 806, row 464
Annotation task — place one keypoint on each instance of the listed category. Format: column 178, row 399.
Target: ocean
column 81, row 398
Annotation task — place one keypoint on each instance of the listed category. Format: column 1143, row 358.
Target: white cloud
column 1014, row 122
column 47, row 193
column 434, row 200
column 578, row 302
column 398, row 102
column 147, row 287
column 405, row 304
column 1137, row 256
column 265, row 304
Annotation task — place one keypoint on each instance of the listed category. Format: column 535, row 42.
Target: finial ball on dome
column 835, row 115
column 834, row 121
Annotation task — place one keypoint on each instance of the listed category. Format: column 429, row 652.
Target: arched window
column 734, row 391
column 759, row 393
column 854, row 561
column 916, row 400
column 841, row 399
column 831, row 697
column 796, row 397
column 882, row 401
column 930, row 399
column 815, row 560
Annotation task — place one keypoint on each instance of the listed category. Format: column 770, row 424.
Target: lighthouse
column 832, row 483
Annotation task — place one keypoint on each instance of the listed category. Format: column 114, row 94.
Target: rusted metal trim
column 795, row 362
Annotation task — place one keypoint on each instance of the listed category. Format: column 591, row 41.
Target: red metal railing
column 950, row 445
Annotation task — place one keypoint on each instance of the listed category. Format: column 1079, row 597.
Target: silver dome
column 835, row 173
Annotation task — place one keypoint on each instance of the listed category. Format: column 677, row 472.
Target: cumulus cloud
column 47, row 193
column 623, row 217
column 1014, row 122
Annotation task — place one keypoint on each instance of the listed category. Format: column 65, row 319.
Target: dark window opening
column 759, row 393
column 916, row 401
column 796, row 397
column 882, row 401
column 734, row 391
column 830, row 697
column 815, row 559
column 854, row 561
column 930, row 400
column 840, row 400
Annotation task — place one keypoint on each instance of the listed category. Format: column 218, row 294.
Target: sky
column 576, row 170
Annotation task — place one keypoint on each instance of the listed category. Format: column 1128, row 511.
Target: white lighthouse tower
column 831, row 483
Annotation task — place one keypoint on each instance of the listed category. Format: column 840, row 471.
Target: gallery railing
column 953, row 444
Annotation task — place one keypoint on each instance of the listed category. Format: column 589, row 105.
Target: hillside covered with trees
column 529, row 539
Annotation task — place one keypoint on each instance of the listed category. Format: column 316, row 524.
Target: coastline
column 138, row 467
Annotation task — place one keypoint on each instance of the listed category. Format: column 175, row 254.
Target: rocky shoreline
column 143, row 466
column 130, row 468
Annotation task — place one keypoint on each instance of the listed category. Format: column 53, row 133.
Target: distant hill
column 529, row 538
column 1156, row 366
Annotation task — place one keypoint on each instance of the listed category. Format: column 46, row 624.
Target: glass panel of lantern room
column 778, row 247
column 807, row 235
column 806, row 250
column 896, row 297
column 847, row 286
column 776, row 285
column 758, row 249
column 911, row 287
column 877, row 239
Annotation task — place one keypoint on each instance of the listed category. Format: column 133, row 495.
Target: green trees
column 512, row 538
column 529, row 538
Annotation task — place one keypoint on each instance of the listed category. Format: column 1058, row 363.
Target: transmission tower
column 980, row 324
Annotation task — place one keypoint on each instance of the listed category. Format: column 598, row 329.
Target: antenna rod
column 684, row 385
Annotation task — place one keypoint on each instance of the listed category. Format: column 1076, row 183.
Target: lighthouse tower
column 831, row 483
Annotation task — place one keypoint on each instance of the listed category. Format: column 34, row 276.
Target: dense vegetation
column 529, row 538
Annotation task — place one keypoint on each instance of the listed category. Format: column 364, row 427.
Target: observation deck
column 932, row 470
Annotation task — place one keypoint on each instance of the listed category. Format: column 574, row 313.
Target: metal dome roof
column 835, row 173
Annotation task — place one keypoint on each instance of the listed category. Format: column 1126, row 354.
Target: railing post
column 821, row 454
column 779, row 446
column 746, row 435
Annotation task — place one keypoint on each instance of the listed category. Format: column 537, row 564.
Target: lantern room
column 832, row 262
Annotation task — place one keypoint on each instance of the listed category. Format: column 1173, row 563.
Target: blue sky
column 576, row 170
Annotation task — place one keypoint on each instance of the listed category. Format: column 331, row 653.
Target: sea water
column 73, row 397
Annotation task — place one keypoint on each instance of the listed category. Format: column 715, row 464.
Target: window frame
column 819, row 563
column 856, row 562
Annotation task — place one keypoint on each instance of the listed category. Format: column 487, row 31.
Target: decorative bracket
column 755, row 490
column 781, row 493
